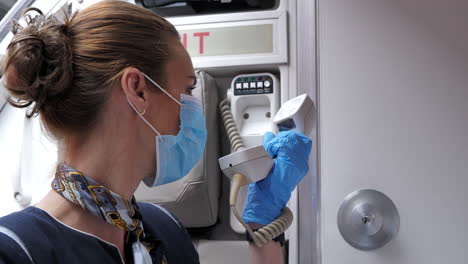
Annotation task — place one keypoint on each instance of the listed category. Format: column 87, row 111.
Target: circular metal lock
column 368, row 219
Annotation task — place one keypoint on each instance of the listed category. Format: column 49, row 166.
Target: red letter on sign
column 184, row 40
column 201, row 35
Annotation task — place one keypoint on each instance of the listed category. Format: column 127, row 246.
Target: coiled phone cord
column 230, row 125
column 267, row 233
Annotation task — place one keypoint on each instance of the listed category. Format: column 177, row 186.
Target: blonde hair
column 66, row 69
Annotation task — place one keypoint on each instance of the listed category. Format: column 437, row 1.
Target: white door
column 394, row 117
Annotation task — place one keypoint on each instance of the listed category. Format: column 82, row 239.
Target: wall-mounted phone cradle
column 254, row 103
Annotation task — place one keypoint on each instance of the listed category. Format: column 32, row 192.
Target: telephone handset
column 247, row 165
column 254, row 162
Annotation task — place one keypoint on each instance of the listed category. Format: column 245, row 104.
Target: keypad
column 259, row 84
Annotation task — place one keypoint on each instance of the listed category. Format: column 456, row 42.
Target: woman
column 105, row 82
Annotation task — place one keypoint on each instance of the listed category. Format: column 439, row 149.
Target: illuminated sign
column 228, row 41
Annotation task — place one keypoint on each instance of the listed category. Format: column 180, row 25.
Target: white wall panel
column 394, row 117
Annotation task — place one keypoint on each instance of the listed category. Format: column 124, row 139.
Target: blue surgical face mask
column 177, row 155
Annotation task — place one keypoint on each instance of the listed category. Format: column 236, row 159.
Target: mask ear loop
column 160, row 88
column 142, row 118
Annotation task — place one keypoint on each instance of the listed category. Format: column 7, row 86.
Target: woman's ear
column 134, row 88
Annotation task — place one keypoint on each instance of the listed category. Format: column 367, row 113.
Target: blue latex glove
column 266, row 198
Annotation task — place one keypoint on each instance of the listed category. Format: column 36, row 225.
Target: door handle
column 368, row 219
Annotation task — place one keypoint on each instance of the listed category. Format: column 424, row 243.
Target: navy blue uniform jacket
column 34, row 234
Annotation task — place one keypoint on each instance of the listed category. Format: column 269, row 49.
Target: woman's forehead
column 180, row 62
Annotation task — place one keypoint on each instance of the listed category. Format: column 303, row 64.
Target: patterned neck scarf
column 98, row 200
column 111, row 207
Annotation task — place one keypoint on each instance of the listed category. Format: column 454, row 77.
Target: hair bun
column 39, row 61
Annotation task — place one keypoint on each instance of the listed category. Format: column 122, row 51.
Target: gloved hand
column 266, row 198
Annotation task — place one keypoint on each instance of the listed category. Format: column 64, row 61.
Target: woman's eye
column 189, row 89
